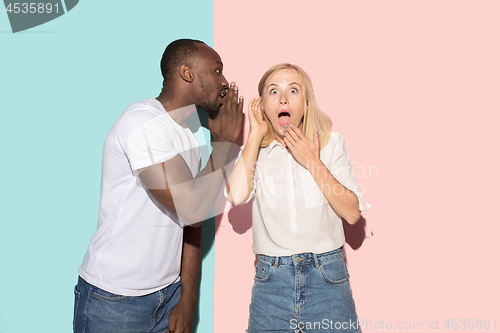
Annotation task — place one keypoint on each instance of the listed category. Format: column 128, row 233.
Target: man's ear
column 186, row 73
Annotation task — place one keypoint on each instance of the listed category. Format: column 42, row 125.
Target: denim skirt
column 306, row 292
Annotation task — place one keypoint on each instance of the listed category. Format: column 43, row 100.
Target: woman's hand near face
column 304, row 151
column 258, row 126
column 241, row 180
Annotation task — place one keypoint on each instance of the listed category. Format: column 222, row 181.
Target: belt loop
column 316, row 260
column 276, row 260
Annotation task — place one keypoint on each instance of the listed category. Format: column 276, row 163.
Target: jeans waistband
column 304, row 258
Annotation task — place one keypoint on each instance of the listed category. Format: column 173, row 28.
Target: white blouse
column 290, row 214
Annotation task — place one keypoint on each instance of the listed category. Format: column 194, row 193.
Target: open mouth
column 284, row 119
column 223, row 93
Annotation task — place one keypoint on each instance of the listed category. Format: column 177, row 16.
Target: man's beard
column 212, row 108
column 212, row 114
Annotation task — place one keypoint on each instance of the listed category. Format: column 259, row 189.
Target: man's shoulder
column 142, row 110
column 145, row 112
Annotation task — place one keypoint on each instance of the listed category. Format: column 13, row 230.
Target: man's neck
column 179, row 112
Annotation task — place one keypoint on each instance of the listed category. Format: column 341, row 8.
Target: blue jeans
column 98, row 311
column 306, row 292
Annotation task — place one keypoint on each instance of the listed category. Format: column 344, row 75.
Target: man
column 131, row 277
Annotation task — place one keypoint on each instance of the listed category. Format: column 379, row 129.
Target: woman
column 299, row 174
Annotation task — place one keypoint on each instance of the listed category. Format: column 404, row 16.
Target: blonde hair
column 313, row 116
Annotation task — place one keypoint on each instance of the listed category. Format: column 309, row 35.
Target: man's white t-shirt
column 137, row 247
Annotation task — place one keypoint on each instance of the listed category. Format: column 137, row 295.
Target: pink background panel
column 415, row 89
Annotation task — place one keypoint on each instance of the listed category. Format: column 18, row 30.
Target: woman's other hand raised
column 304, row 151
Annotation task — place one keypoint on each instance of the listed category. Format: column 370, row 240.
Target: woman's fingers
column 250, row 111
column 298, row 132
column 258, row 106
column 255, row 116
column 289, row 142
column 251, row 107
column 316, row 138
column 259, row 116
column 290, row 131
column 303, row 149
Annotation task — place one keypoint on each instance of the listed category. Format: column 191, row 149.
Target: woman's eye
column 274, row 92
column 293, row 90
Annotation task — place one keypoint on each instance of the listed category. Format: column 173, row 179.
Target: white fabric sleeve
column 146, row 140
column 341, row 169
column 254, row 178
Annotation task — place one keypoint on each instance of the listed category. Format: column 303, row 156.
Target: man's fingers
column 240, row 104
column 172, row 323
column 234, row 96
column 229, row 99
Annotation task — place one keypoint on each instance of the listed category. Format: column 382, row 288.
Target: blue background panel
column 62, row 85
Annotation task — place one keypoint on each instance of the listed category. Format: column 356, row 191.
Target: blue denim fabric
column 302, row 293
column 98, row 311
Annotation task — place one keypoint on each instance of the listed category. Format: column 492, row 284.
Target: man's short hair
column 178, row 52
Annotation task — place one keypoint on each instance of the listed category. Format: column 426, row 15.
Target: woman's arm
column 240, row 182
column 343, row 201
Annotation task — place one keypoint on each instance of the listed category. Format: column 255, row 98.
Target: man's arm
column 181, row 316
column 172, row 185
column 171, row 182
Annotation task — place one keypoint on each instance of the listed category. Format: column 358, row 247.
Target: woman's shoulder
column 333, row 149
column 335, row 138
column 336, row 135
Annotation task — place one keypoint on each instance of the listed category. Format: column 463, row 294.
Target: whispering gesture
column 227, row 125
column 304, row 151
